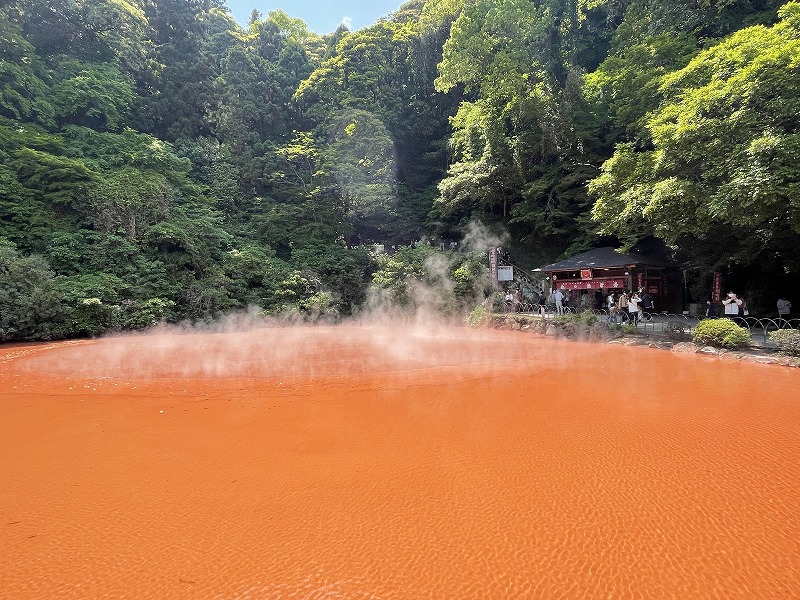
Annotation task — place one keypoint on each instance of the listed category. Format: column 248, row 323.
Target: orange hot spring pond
column 393, row 462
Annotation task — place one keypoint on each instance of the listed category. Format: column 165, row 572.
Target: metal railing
column 758, row 327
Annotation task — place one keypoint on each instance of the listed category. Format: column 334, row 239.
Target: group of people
column 514, row 301
column 736, row 306
column 622, row 306
column 561, row 301
column 629, row 307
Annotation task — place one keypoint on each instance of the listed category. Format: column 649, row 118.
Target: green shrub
column 788, row 341
column 30, row 307
column 584, row 318
column 140, row 315
column 722, row 333
column 478, row 316
column 628, row 328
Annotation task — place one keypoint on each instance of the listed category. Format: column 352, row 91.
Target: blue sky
column 321, row 16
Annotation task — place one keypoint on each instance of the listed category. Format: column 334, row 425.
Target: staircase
column 524, row 280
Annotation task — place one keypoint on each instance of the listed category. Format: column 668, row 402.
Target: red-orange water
column 369, row 463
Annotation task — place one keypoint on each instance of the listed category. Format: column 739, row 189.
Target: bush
column 478, row 316
column 30, row 307
column 788, row 341
column 582, row 325
column 140, row 315
column 584, row 318
column 722, row 333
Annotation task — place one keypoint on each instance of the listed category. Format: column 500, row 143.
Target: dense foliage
column 723, row 333
column 160, row 161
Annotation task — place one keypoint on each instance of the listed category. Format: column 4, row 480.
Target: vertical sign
column 493, row 263
column 716, row 292
column 639, row 281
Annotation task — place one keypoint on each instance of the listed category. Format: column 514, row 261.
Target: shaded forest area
column 161, row 162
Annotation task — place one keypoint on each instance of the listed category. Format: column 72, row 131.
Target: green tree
column 97, row 96
column 361, row 159
column 29, row 304
column 256, row 112
column 723, row 142
column 90, row 303
column 190, row 39
column 94, row 31
column 59, row 177
column 387, row 71
column 255, row 274
column 128, row 200
column 423, row 277
column 23, row 87
column 524, row 142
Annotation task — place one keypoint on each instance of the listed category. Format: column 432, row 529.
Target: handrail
column 756, row 326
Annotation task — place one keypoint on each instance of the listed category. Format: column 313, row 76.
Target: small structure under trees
column 598, row 271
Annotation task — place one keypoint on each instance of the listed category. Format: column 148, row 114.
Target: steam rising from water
column 479, row 238
column 289, row 352
column 245, row 345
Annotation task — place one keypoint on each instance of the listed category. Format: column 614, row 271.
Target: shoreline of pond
column 604, row 333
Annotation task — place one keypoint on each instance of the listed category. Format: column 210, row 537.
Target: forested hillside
column 159, row 161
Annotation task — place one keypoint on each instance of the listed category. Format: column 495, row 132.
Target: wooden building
column 588, row 277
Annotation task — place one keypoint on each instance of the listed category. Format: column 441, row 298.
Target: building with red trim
column 596, row 272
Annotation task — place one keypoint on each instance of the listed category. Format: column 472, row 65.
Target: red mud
column 368, row 463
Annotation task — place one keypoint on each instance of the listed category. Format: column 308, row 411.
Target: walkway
column 669, row 323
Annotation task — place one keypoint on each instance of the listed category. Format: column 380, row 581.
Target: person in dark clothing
column 647, row 306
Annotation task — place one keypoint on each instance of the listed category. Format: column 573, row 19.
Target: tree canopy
column 161, row 161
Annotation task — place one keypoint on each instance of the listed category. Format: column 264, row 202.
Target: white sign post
column 505, row 273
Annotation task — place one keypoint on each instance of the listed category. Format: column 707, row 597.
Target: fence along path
column 758, row 327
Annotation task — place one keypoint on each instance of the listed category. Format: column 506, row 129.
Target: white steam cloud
column 285, row 353
column 385, row 337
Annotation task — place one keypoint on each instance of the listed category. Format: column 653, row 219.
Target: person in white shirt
column 559, row 297
column 633, row 307
column 732, row 304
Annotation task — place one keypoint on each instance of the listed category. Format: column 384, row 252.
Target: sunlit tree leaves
column 723, row 142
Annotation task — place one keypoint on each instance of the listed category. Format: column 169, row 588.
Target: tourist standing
column 518, row 301
column 732, row 304
column 559, row 299
column 633, row 307
column 784, row 308
column 622, row 306
column 647, row 305
column 611, row 304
